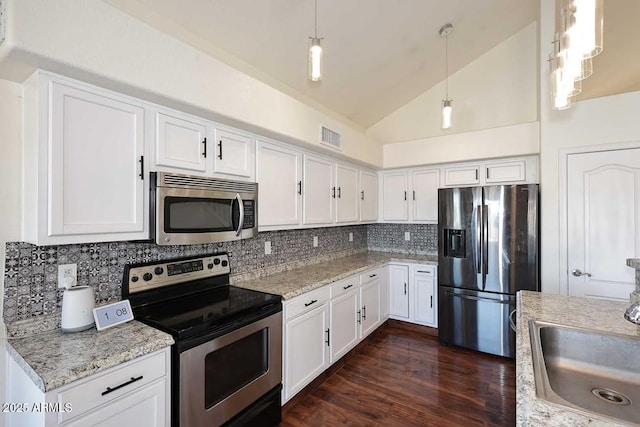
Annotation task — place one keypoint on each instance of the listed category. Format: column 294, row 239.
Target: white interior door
column 603, row 222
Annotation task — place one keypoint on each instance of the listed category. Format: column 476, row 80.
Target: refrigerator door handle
column 474, row 298
column 485, row 244
column 479, row 238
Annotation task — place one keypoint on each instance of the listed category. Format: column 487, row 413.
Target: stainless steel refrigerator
column 487, row 251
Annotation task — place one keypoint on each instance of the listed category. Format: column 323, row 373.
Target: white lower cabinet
column 306, row 352
column 413, row 293
column 325, row 324
column 137, row 393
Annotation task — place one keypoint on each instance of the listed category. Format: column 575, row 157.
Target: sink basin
column 589, row 371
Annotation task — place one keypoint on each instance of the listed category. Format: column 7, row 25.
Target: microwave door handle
column 241, row 210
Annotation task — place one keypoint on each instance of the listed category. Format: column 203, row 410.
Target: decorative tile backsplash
column 423, row 238
column 31, row 272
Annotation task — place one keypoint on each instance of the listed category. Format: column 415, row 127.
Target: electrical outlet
column 351, row 237
column 267, row 248
column 315, row 241
column 407, row 235
column 67, row 275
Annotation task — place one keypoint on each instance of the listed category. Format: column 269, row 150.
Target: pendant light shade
column 315, row 49
column 315, row 59
column 447, row 109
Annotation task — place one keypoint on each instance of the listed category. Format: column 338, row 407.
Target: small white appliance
column 77, row 309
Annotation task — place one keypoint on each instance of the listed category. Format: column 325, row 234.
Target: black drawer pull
column 347, row 287
column 372, row 275
column 131, row 381
column 312, row 302
column 422, row 271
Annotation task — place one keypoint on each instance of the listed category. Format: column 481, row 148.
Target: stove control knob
column 159, row 270
column 134, row 279
column 147, row 276
column 210, row 266
column 225, row 263
column 216, row 261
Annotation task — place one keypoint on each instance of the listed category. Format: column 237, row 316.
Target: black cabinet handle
column 405, row 288
column 405, row 195
column 300, row 188
column 362, row 195
column 431, row 301
column 476, row 173
column 328, row 336
column 141, row 161
column 333, row 192
column 204, row 148
column 364, row 312
column 487, row 171
column 220, row 152
column 347, row 287
column 359, row 317
column 312, row 302
column 131, row 381
column 372, row 275
column 414, row 194
column 423, row 271
column 339, row 192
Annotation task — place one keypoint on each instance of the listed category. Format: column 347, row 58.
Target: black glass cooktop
column 202, row 312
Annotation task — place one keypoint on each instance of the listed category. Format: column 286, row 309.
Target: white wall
column 10, row 190
column 95, row 42
column 606, row 120
column 500, row 88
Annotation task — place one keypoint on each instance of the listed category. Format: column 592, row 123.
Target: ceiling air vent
column 330, row 137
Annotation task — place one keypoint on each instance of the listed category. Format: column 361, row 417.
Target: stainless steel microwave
column 187, row 209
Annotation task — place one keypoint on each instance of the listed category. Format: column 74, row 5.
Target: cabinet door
column 425, row 195
column 346, row 194
column 96, row 182
column 461, row 175
column 181, row 143
column 306, row 349
column 370, row 306
column 399, row 290
column 424, row 298
column 319, row 190
column 142, row 408
column 511, row 171
column 233, row 153
column 384, row 294
column 368, row 196
column 394, row 196
column 344, row 326
column 279, row 176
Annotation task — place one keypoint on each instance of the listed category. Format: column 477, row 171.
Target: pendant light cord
column 446, row 66
column 315, row 17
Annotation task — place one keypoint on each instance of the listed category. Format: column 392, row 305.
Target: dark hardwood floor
column 403, row 377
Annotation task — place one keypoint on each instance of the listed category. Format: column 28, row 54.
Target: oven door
column 190, row 216
column 220, row 378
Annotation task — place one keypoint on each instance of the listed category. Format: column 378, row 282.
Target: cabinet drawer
column 306, row 302
column 90, row 394
column 370, row 275
column 343, row 286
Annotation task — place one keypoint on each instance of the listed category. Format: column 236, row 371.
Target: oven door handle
column 241, row 210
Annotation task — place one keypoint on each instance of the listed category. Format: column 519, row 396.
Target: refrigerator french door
column 487, row 251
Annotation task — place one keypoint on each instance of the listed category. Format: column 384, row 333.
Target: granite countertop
column 594, row 314
column 300, row 280
column 54, row 358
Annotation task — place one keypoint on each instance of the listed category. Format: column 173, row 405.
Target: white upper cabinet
column 279, row 176
column 505, row 171
column 85, row 175
column 234, row 153
column 368, row 196
column 456, row 176
column 425, row 194
column 395, row 186
column 346, row 193
column 319, row 190
column 181, row 142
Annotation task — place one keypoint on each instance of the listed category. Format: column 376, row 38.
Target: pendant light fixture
column 315, row 49
column 446, row 102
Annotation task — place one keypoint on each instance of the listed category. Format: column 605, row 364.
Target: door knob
column 577, row 272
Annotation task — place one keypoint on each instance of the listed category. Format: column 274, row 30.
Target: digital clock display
column 184, row 267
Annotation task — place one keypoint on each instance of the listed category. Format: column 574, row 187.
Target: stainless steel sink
column 594, row 372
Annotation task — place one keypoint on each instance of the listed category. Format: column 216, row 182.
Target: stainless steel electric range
column 227, row 359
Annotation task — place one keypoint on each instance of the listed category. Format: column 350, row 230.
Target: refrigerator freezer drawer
column 476, row 320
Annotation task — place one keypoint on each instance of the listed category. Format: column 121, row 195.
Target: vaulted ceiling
column 379, row 54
